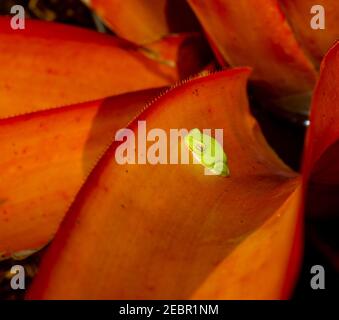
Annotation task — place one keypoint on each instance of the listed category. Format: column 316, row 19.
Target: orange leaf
column 322, row 154
column 137, row 231
column 49, row 65
column 143, row 22
column 256, row 33
column 45, row 158
column 317, row 42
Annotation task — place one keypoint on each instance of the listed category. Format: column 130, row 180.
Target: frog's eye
column 199, row 146
column 208, row 152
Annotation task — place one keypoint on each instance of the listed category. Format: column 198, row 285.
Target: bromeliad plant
column 161, row 231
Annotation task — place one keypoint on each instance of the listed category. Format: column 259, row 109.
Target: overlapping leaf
column 45, row 158
column 321, row 154
column 143, row 22
column 48, row 65
column 212, row 235
column 257, row 34
column 140, row 230
column 315, row 41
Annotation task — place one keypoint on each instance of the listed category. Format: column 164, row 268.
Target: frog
column 208, row 152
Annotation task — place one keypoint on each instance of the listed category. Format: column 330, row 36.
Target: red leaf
column 137, row 231
column 256, row 33
column 143, row 22
column 316, row 41
column 321, row 170
column 45, row 158
column 49, row 65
